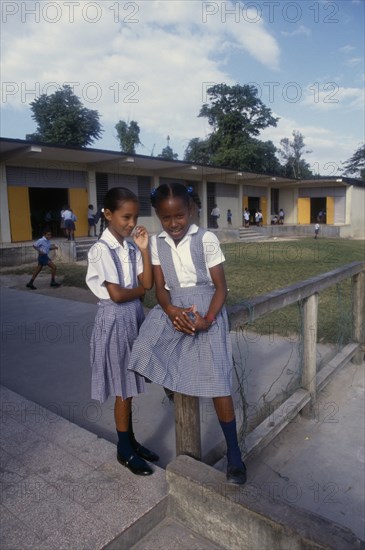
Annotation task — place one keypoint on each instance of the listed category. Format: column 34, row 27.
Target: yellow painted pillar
column 78, row 204
column 19, row 214
column 304, row 210
column 330, row 210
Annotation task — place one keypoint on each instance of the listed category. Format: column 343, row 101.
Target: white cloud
column 147, row 61
column 354, row 61
column 297, row 32
column 346, row 49
column 329, row 147
column 330, row 95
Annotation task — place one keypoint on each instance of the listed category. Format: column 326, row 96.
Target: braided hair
column 174, row 189
column 112, row 201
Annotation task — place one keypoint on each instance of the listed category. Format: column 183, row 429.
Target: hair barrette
column 153, row 192
column 190, row 190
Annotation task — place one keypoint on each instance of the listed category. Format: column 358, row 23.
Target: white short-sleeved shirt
column 183, row 263
column 101, row 267
column 43, row 245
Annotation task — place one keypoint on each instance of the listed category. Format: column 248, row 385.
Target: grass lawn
column 256, row 268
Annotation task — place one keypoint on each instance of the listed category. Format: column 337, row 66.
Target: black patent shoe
column 146, row 453
column 135, row 465
column 237, row 475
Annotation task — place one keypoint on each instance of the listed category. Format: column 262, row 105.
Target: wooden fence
column 187, row 416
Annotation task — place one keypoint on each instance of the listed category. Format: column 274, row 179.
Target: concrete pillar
column 204, row 201
column 358, row 315
column 310, row 311
column 5, row 234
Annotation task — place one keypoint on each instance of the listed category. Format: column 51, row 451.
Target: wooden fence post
column 358, row 315
column 187, row 425
column 310, row 310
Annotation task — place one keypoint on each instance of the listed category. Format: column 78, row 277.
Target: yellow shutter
column 78, row 204
column 263, row 206
column 304, row 210
column 330, row 210
column 19, row 214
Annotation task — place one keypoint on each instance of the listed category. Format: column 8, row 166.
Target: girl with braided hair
column 184, row 344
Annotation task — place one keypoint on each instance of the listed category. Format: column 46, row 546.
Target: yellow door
column 263, row 206
column 78, row 204
column 304, row 210
column 330, row 210
column 244, row 203
column 19, row 214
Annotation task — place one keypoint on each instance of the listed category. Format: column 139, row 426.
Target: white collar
column 191, row 231
column 109, row 238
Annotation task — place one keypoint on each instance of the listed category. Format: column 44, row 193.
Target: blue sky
column 151, row 61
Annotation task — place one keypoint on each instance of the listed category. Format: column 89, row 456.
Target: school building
column 37, row 180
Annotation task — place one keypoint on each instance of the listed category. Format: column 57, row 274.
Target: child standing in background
column 316, row 230
column 119, row 273
column 184, row 345
column 91, row 220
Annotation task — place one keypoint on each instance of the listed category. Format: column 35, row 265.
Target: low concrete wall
column 328, row 231
column 24, row 253
column 235, row 517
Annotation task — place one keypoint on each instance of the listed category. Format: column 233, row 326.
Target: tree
column 198, row 151
column 356, row 163
column 236, row 110
column 291, row 152
column 236, row 115
column 167, row 153
column 61, row 118
column 128, row 135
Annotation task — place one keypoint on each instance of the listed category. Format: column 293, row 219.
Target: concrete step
column 170, row 534
column 243, row 517
column 82, row 248
column 248, row 234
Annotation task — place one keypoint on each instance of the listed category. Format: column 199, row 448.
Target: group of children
column 183, row 344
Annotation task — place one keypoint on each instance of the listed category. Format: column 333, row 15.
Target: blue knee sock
column 124, row 445
column 233, row 450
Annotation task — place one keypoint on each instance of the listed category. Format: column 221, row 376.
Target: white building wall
column 357, row 212
column 287, row 201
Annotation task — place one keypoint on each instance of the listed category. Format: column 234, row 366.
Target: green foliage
column 236, row 115
column 356, row 163
column 198, row 151
column 62, row 119
column 236, row 109
column 291, row 152
column 128, row 136
column 168, row 154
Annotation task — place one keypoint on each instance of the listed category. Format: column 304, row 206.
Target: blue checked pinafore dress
column 199, row 365
column 115, row 329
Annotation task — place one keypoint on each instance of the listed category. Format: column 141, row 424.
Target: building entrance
column 45, row 209
column 318, row 210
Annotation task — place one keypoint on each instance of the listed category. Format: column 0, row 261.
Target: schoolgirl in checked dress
column 118, row 273
column 184, row 343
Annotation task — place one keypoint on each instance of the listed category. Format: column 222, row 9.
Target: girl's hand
column 201, row 323
column 180, row 319
column 140, row 237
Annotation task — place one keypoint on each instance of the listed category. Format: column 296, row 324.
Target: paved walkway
column 57, row 442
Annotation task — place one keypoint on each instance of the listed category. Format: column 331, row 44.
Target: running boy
column 43, row 247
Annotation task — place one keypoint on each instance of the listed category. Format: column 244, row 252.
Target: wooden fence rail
column 187, row 418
